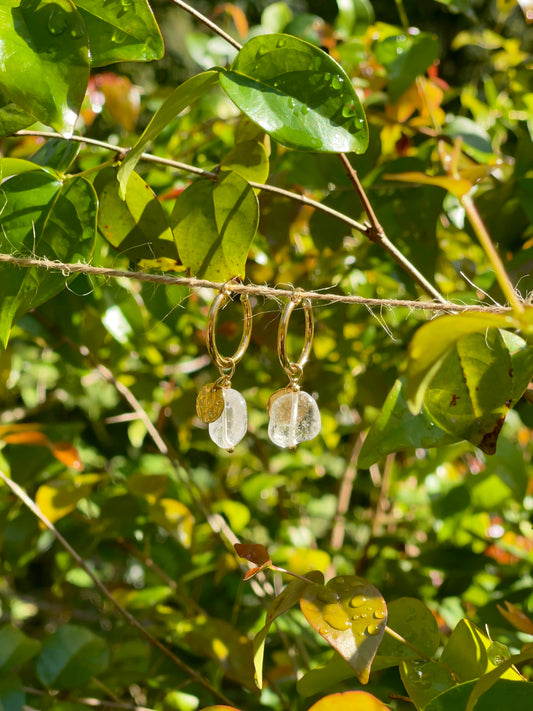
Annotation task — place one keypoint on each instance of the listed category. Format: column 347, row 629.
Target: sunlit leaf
column 297, row 94
column 44, row 59
column 348, row 701
column 174, row 517
column 432, row 342
column 121, row 31
column 58, row 498
column 406, row 57
column 249, row 159
column 488, row 680
column 281, row 604
column 137, row 226
column 214, row 225
column 456, row 186
column 351, row 614
column 516, row 617
column 182, row 97
column 458, row 399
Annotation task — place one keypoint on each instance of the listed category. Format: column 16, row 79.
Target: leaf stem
column 294, row 575
column 401, row 639
column 32, row 506
column 486, row 242
column 201, row 18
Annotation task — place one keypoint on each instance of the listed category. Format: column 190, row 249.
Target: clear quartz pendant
column 294, row 418
column 228, row 430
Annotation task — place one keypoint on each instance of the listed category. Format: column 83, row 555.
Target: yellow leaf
column 58, row 498
column 349, row 701
column 176, row 518
column 456, row 186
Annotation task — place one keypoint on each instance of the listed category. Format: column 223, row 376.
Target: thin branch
column 32, row 506
column 203, row 19
column 268, row 292
column 169, row 163
column 376, row 234
column 345, row 495
column 93, row 703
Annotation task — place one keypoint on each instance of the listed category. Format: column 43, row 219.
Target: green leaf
column 57, row 154
column 137, row 226
column 432, row 342
column 44, row 60
column 472, row 392
column 319, row 680
column 298, row 94
column 42, row 216
column 517, row 694
column 249, row 159
column 460, row 6
column 15, row 647
column 397, row 429
column 180, row 99
column 467, row 653
column 12, row 696
column 71, row 657
column 354, row 17
column 411, row 619
column 12, row 117
column 488, row 680
column 351, row 614
column 288, row 597
column 214, row 225
column 406, row 57
column 124, row 31
column 424, row 680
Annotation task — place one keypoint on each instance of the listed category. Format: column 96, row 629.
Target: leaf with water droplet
column 272, row 83
column 123, row 31
column 354, row 623
column 283, row 602
column 49, row 85
column 424, row 680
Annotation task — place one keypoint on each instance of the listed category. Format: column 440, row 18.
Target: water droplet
column 76, row 31
column 57, row 21
column 327, row 76
column 281, row 42
column 327, row 595
column 348, row 110
column 117, row 36
column 322, row 630
column 358, row 601
column 292, row 103
column 275, row 84
column 335, row 616
column 373, row 629
column 380, row 614
column 304, row 110
column 358, row 123
column 498, row 653
column 126, row 4
column 355, row 617
column 340, row 581
column 337, row 82
column 261, row 51
column 364, row 615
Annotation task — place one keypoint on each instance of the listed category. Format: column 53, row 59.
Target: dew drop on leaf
column 336, row 82
column 358, row 601
column 380, row 614
column 281, row 42
column 335, row 616
column 373, row 629
column 57, row 21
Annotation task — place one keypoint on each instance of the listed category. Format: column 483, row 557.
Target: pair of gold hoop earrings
column 294, row 415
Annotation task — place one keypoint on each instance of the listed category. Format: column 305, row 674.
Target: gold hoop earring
column 294, row 414
column 218, row 404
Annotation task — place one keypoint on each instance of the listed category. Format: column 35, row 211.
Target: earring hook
column 294, row 368
column 228, row 363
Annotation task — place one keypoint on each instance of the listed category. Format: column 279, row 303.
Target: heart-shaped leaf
column 214, row 225
column 298, row 94
column 45, row 59
column 351, row 614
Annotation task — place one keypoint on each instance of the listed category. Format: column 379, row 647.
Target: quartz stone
column 228, row 430
column 294, row 418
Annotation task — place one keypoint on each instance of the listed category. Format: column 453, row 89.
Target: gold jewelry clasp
column 294, row 369
column 226, row 364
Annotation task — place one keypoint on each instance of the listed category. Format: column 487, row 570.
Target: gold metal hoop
column 226, row 363
column 294, row 368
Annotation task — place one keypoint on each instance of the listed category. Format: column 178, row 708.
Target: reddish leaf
column 254, row 552
column 29, row 437
column 349, row 701
column 351, row 614
column 67, row 454
column 516, row 617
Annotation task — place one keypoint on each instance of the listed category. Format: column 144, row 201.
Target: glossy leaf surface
column 297, row 94
column 405, row 58
column 349, row 700
column 188, row 92
column 425, row 680
column 121, row 31
column 397, row 429
column 431, row 344
column 214, row 225
column 500, row 696
column 137, row 226
column 487, row 681
column 351, row 615
column 46, row 217
column 70, row 657
column 44, row 59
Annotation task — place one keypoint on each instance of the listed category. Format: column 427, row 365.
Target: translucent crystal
column 232, row 424
column 294, row 418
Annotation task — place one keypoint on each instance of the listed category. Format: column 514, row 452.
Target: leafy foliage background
column 99, row 376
